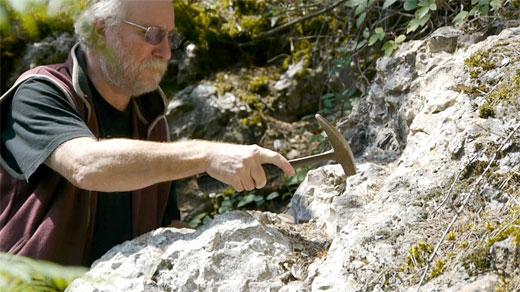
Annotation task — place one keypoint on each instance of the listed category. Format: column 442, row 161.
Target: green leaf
column 400, row 39
column 366, row 33
column 410, row 5
column 496, row 3
column 328, row 96
column 272, row 196
column 412, row 25
column 389, row 47
column 421, row 12
column 424, row 3
column 459, row 19
column 361, row 44
column 379, row 30
column 327, row 103
column 373, row 39
column 361, row 8
column 346, row 61
column 473, row 2
column 433, row 6
column 206, row 220
column 388, row 3
column 354, row 3
column 361, row 19
column 246, row 200
column 484, row 10
column 483, row 2
column 337, row 62
column 473, row 11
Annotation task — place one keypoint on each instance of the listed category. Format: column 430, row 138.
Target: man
column 84, row 160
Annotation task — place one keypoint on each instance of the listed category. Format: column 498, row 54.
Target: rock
column 412, row 136
column 234, row 253
column 51, row 50
column 199, row 112
column 298, row 90
column 444, row 39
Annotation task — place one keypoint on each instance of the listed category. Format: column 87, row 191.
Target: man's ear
column 99, row 33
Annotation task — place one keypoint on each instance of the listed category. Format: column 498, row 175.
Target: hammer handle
column 208, row 184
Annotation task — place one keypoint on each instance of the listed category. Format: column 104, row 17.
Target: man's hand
column 241, row 165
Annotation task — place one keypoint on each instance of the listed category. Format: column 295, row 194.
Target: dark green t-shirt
column 40, row 119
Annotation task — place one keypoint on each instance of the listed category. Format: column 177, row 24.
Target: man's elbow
column 86, row 178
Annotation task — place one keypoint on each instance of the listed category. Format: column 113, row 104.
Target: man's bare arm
column 115, row 165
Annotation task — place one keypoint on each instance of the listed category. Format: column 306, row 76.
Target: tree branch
column 301, row 19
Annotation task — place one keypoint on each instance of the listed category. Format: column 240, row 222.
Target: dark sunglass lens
column 154, row 35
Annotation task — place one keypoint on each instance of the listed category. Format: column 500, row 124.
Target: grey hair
column 109, row 11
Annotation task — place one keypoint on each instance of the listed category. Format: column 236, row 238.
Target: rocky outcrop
column 434, row 139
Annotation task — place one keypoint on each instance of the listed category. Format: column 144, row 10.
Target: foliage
column 29, row 21
column 19, row 273
column 264, row 199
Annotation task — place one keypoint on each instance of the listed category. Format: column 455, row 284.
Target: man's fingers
column 248, row 183
column 269, row 156
column 258, row 175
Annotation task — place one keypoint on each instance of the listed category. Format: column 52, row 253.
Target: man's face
column 131, row 63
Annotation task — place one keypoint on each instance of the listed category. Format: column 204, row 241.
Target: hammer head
column 342, row 152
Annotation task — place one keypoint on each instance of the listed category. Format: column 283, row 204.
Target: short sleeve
column 39, row 120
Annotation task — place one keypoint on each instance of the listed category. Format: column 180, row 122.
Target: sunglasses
column 155, row 35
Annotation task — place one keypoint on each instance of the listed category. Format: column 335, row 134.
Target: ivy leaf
column 421, row 12
column 495, row 3
column 361, row 19
column 389, row 47
column 359, row 9
column 410, row 5
column 459, row 19
column 388, row 3
column 433, row 6
column 400, row 39
column 424, row 3
column 246, row 200
column 373, row 39
column 473, row 2
column 473, row 11
column 361, row 44
column 484, row 10
column 354, row 3
column 379, row 35
column 417, row 22
column 366, row 33
column 272, row 196
column 483, row 2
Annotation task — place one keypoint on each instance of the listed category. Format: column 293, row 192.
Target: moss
column 451, row 236
column 508, row 229
column 254, row 120
column 478, row 261
column 438, row 268
column 259, row 85
column 486, row 111
column 418, row 256
column 253, row 101
column 480, row 60
column 474, row 169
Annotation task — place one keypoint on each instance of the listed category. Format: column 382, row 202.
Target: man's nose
column 163, row 50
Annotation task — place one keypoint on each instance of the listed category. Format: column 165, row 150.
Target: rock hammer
column 340, row 153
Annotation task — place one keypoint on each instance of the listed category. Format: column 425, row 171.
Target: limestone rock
column 234, row 253
column 199, row 112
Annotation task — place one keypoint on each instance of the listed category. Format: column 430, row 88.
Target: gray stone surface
column 233, row 253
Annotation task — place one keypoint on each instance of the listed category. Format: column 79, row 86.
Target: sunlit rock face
column 422, row 144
